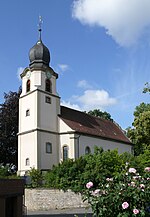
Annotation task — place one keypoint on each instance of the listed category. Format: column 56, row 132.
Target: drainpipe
column 78, row 145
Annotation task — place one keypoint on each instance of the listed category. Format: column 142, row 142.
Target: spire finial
column 40, row 27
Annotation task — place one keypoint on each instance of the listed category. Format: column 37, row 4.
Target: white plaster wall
column 35, row 79
column 85, row 141
column 47, row 160
column 28, row 122
column 47, row 113
column 63, row 127
column 53, row 80
column 67, row 140
column 27, row 148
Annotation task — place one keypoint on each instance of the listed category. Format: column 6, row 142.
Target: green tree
column 101, row 114
column 140, row 133
column 146, row 88
column 9, row 127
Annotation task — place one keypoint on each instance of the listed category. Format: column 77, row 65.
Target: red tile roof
column 87, row 124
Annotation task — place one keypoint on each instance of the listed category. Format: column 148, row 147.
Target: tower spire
column 40, row 27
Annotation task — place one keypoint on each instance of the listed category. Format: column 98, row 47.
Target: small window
column 48, row 147
column 48, row 99
column 48, row 85
column 28, row 85
column 27, row 162
column 65, row 153
column 87, row 150
column 28, row 112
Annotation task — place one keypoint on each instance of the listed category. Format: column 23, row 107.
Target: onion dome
column 39, row 55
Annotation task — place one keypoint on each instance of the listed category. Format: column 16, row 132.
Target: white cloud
column 91, row 99
column 19, row 71
column 124, row 20
column 95, row 99
column 70, row 105
column 83, row 84
column 63, row 67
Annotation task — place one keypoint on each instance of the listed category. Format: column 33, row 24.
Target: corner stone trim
column 47, row 199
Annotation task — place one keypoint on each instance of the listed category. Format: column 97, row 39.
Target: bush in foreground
column 125, row 195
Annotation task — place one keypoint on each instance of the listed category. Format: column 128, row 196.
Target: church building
column 50, row 133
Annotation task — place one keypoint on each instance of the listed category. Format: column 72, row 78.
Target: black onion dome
column 39, row 54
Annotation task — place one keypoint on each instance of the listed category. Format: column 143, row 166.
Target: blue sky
column 99, row 48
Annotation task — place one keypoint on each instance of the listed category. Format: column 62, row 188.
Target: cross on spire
column 40, row 26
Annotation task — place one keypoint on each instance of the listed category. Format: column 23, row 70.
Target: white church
column 50, row 133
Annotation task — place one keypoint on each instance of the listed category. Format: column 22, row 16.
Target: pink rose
column 147, row 169
column 136, row 211
column 125, row 205
column 89, row 185
column 142, row 186
column 132, row 170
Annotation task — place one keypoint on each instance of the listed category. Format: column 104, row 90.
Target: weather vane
column 40, row 26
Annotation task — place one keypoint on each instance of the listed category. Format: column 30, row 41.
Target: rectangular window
column 48, row 99
column 48, row 147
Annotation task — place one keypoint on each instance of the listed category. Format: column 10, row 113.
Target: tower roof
column 39, row 54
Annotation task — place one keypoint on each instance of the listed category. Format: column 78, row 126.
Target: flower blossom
column 109, row 179
column 147, row 169
column 132, row 170
column 89, row 185
column 142, row 186
column 133, row 184
column 136, row 211
column 125, row 205
column 96, row 192
column 136, row 177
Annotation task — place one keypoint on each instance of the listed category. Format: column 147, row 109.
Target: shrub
column 8, row 171
column 124, row 195
column 36, row 178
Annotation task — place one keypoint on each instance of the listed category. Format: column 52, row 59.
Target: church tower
column 39, row 106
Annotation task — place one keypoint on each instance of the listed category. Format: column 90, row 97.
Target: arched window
column 65, row 152
column 87, row 150
column 27, row 162
column 48, row 85
column 28, row 112
column 28, row 85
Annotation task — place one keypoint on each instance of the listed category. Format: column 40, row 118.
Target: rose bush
column 125, row 195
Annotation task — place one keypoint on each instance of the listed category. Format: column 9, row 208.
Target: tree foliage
column 101, row 114
column 9, row 127
column 95, row 167
column 146, row 88
column 140, row 133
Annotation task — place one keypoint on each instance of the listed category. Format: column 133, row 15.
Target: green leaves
column 140, row 134
column 9, row 128
column 124, row 195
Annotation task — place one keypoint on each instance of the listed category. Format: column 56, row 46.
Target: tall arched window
column 87, row 150
column 65, row 152
column 28, row 85
column 48, row 85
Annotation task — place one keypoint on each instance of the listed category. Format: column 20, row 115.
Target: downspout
column 78, row 145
